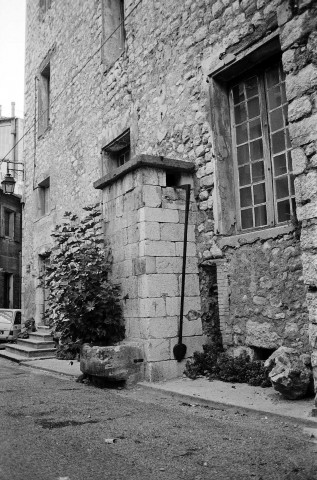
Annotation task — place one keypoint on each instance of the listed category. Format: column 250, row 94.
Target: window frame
column 10, row 224
column 112, row 152
column 44, row 197
column 271, row 195
column 113, row 32
column 44, row 99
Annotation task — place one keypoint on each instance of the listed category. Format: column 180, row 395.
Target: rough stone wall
column 159, row 89
column 267, row 295
column 299, row 45
column 145, row 227
column 68, row 152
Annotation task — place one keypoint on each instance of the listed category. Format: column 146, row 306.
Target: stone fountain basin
column 120, row 362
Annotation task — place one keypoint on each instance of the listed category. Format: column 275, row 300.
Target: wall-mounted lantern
column 8, row 183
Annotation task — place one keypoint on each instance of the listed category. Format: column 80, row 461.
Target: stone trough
column 123, row 362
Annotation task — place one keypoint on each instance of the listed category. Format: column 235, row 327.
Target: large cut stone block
column 124, row 361
column 163, row 215
column 261, row 335
column 158, row 285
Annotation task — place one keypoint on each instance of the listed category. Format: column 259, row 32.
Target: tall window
column 8, row 223
column 113, row 30
column 261, row 149
column 44, row 87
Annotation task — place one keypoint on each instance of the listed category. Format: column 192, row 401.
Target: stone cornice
column 141, row 161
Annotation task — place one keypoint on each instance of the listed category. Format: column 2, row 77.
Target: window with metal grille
column 261, row 149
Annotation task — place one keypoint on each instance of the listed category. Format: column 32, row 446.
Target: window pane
column 240, row 114
column 288, row 140
column 272, row 77
column 246, row 218
column 245, row 197
column 293, row 205
column 283, row 211
column 278, row 141
column 258, row 171
column 276, row 118
column 243, row 154
column 279, row 165
column 244, row 175
column 256, row 150
column 289, row 162
column 281, row 185
column 285, row 110
column 291, row 179
column 242, row 133
column 251, row 87
column 260, row 216
column 259, row 193
column 255, row 128
column 275, row 98
column 253, row 107
column 238, row 94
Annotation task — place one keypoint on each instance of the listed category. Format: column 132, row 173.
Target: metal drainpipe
column 179, row 349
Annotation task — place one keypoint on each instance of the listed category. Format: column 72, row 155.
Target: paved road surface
column 52, row 428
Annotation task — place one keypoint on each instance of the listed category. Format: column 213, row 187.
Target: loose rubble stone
column 291, row 374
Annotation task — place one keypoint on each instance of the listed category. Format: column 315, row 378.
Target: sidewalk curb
column 50, row 370
column 213, row 403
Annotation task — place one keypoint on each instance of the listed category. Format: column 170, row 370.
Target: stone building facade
column 132, row 99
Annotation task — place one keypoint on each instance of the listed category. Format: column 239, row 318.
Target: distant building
column 11, row 131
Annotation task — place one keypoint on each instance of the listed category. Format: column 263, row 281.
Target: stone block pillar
column 144, row 223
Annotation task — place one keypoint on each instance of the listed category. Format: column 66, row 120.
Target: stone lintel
column 140, row 161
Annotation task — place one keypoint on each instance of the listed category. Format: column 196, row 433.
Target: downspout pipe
column 180, row 349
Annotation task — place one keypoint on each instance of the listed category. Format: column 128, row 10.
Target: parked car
column 10, row 323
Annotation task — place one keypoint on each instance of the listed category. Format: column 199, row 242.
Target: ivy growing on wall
column 82, row 304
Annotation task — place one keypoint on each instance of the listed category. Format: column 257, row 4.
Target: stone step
column 18, row 358
column 44, row 337
column 30, row 352
column 35, row 343
column 43, row 329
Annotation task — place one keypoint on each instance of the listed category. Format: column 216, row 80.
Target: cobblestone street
column 53, row 428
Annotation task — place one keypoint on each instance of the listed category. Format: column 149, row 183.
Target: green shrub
column 219, row 365
column 82, row 304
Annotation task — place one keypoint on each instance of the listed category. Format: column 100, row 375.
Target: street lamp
column 8, row 184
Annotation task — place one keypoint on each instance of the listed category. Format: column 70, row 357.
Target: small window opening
column 262, row 353
column 173, row 179
column 118, row 152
